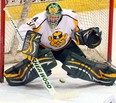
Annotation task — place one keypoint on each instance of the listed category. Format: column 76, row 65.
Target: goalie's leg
column 24, row 72
column 80, row 67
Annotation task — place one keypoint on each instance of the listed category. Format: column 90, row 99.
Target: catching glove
column 91, row 37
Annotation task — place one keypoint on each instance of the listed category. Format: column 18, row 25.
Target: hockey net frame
column 16, row 54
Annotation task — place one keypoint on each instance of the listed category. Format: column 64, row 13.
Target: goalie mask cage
column 92, row 13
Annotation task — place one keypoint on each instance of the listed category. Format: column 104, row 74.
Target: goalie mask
column 53, row 12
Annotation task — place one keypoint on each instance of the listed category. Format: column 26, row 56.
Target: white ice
column 35, row 92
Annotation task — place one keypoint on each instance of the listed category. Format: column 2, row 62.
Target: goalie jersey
column 58, row 37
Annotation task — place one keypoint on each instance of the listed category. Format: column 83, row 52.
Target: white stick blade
column 67, row 95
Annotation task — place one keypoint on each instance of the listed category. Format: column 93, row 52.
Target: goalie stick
column 40, row 70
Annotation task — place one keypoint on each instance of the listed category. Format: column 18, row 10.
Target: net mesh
column 91, row 13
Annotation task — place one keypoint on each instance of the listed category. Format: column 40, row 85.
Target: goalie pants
column 62, row 54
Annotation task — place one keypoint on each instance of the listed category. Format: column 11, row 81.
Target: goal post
column 110, row 30
column 2, row 38
column 92, row 13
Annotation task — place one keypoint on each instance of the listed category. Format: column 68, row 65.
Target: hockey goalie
column 55, row 35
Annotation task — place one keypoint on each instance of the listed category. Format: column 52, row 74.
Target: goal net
column 92, row 13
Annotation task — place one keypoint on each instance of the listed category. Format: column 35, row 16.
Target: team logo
column 53, row 10
column 57, row 39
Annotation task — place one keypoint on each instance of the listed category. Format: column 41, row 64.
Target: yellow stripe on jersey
column 77, row 40
column 37, row 29
column 76, row 23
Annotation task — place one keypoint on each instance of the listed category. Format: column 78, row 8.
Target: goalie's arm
column 29, row 25
column 90, row 37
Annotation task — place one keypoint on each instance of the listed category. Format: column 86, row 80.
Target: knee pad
column 46, row 59
column 80, row 67
column 76, row 66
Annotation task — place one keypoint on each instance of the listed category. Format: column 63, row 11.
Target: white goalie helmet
column 53, row 12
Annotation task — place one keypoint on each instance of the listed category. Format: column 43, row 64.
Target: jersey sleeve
column 77, row 23
column 29, row 25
